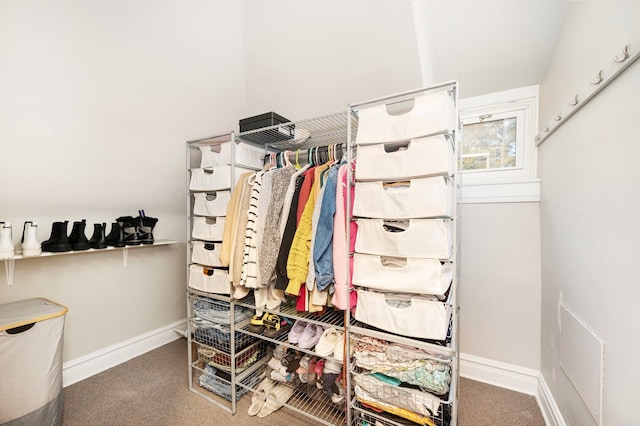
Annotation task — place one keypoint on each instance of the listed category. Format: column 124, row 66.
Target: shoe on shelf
column 115, row 238
column 7, row 250
column 29, row 244
column 77, row 238
column 311, row 336
column 146, row 225
column 274, row 363
column 130, row 228
column 327, row 343
column 58, row 242
column 279, row 395
column 274, row 325
column 281, row 376
column 287, row 359
column 303, row 369
column 257, row 322
column 260, row 396
column 296, row 331
column 98, row 240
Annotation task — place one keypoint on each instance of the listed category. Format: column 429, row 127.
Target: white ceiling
column 488, row 45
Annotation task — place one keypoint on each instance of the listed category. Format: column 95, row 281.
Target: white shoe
column 6, row 242
column 30, row 245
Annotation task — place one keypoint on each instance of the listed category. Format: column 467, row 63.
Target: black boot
column 116, row 236
column 146, row 228
column 98, row 239
column 58, row 241
column 77, row 238
column 130, row 228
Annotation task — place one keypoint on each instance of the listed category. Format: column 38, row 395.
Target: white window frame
column 509, row 184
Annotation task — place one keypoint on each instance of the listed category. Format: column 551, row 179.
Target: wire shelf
column 318, row 131
column 312, row 402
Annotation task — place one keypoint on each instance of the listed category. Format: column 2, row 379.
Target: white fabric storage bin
column 245, row 155
column 209, row 280
column 402, row 274
column 431, row 114
column 31, row 336
column 211, row 204
column 208, row 228
column 206, row 253
column 416, row 198
column 214, row 179
column 418, row 316
column 422, row 157
column 425, row 238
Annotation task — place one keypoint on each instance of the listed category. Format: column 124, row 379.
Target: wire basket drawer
column 219, row 381
column 222, row 360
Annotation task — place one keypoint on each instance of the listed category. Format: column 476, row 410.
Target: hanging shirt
column 323, row 242
column 249, row 277
column 343, row 298
column 271, row 238
column 287, row 238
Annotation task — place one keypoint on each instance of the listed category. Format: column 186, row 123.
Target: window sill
column 513, row 191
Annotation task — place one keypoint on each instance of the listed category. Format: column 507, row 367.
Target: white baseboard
column 501, row 374
column 550, row 410
column 516, row 378
column 86, row 366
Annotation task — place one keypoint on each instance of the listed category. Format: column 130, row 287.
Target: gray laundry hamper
column 31, row 332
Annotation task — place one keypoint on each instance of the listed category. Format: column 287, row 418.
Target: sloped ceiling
column 488, row 45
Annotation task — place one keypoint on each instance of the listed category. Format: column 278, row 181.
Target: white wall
column 500, row 283
column 98, row 99
column 306, row 58
column 589, row 207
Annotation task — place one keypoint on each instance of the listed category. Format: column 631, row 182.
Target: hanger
column 298, row 166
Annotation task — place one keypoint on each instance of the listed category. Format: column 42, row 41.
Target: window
column 490, row 142
column 497, row 147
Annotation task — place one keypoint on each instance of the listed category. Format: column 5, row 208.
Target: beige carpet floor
column 153, row 390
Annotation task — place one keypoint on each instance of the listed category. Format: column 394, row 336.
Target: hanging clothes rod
column 315, row 155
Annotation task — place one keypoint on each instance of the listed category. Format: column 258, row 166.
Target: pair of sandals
column 269, row 324
column 268, row 397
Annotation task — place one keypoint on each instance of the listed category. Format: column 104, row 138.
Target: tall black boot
column 58, row 241
column 98, row 239
column 130, row 228
column 146, row 228
column 116, row 236
column 77, row 238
